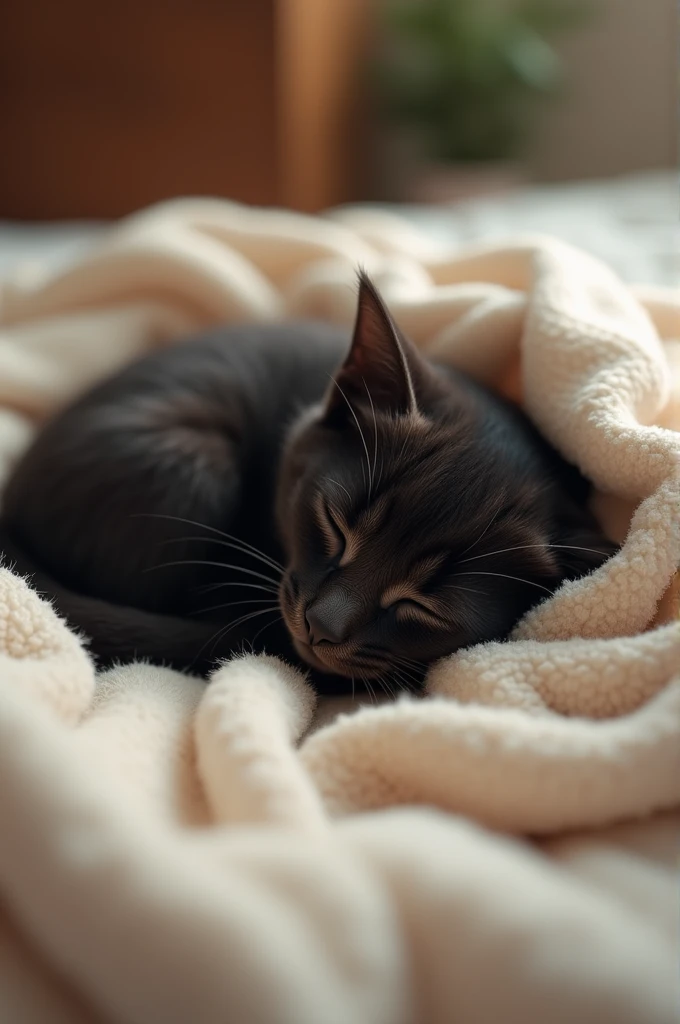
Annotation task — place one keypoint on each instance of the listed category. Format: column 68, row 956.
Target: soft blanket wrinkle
column 504, row 848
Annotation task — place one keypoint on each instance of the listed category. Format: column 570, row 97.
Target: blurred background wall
column 105, row 107
column 621, row 109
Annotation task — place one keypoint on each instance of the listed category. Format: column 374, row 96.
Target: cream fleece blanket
column 173, row 852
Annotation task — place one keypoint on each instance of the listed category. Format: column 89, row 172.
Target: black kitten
column 395, row 513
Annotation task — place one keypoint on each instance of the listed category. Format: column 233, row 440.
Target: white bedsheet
column 630, row 223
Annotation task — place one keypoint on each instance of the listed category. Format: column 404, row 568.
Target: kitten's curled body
column 412, row 511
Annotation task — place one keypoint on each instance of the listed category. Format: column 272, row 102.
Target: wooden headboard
column 105, row 107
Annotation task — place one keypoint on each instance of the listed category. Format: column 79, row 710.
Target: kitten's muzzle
column 322, row 629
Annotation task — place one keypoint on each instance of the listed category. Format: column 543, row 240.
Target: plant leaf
column 533, row 61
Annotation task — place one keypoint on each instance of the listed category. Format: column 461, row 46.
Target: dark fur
column 422, row 475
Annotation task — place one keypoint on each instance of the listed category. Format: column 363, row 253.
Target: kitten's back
column 192, row 432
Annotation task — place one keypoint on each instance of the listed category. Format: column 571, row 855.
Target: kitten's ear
column 380, row 367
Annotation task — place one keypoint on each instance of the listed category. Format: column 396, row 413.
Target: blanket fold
column 174, row 851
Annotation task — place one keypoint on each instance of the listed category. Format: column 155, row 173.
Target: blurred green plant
column 464, row 74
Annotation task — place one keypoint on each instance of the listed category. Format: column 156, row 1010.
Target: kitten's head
column 413, row 523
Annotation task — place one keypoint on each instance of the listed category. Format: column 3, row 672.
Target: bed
column 631, row 223
column 504, row 849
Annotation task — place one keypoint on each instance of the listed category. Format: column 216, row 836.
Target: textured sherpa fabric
column 179, row 852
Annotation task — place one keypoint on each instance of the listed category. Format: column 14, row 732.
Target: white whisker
column 227, row 544
column 407, row 438
column 266, row 626
column 375, row 434
column 485, row 530
column 225, row 630
column 206, row 588
column 412, row 661
column 232, row 604
column 217, row 565
column 338, row 484
column 505, row 576
column 382, row 467
column 412, row 674
column 204, row 526
column 520, row 547
column 404, row 681
column 466, row 590
column 386, row 687
column 368, row 686
column 361, row 434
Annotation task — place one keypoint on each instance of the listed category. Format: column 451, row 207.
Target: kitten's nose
column 328, row 619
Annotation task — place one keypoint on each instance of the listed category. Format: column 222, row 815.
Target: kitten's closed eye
column 414, row 611
column 407, row 603
column 334, row 536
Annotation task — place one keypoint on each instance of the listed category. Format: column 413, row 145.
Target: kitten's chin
column 336, row 668
column 307, row 654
